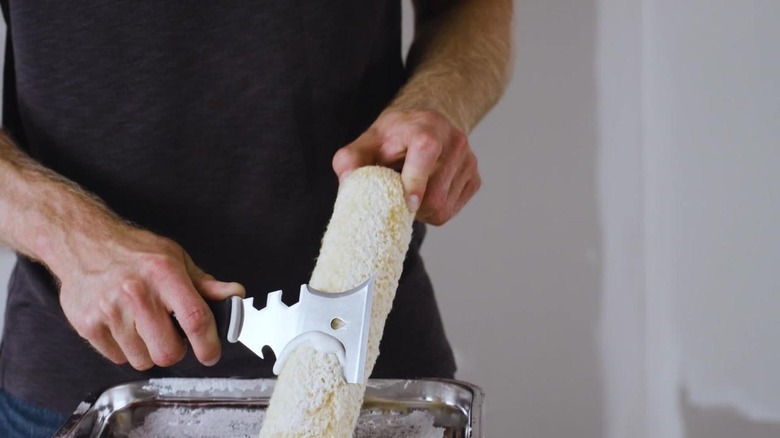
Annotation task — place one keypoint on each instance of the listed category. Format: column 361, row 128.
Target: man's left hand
column 438, row 168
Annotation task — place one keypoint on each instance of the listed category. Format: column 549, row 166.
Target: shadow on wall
column 722, row 422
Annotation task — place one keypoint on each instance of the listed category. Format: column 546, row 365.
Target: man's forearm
column 41, row 213
column 459, row 61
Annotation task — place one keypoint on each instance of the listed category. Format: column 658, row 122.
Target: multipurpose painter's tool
column 343, row 316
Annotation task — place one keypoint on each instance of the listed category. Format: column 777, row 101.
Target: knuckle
column 428, row 144
column 460, row 142
column 135, row 296
column 117, row 360
column 461, row 137
column 195, row 319
column 158, row 264
column 344, row 153
column 167, row 356
column 168, row 246
column 473, row 163
column 339, row 157
column 132, row 289
column 109, row 313
column 344, row 158
column 429, row 117
column 88, row 328
column 439, row 219
column 137, row 356
column 436, row 201
column 141, row 364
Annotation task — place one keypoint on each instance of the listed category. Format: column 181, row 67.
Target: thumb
column 209, row 287
column 352, row 156
column 215, row 290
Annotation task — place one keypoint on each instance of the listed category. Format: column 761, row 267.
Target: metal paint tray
column 455, row 406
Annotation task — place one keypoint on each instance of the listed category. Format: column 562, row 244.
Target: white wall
column 6, row 263
column 6, row 258
column 685, row 150
column 616, row 276
column 620, row 184
column 518, row 273
column 712, row 74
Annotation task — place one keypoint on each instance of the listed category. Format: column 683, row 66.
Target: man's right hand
column 119, row 284
column 119, row 292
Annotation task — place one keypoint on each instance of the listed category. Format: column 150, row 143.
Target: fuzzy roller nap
column 368, row 234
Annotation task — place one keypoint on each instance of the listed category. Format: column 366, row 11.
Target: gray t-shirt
column 213, row 123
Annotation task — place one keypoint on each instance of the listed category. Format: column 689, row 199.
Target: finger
column 195, row 319
column 466, row 172
column 133, row 347
column 154, row 326
column 420, row 163
column 354, row 155
column 458, row 197
column 105, row 344
column 439, row 192
column 94, row 328
column 122, row 326
column 209, row 287
column 469, row 190
column 215, row 290
column 164, row 345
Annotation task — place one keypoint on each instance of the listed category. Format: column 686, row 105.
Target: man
column 150, row 145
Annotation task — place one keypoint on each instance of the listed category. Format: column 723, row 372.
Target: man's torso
column 211, row 123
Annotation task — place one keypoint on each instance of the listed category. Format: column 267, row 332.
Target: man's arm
column 119, row 283
column 459, row 66
column 459, row 60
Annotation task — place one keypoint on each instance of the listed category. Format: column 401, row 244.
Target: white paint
column 189, row 422
column 319, row 341
column 184, row 387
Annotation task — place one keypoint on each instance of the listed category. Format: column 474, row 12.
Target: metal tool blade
column 345, row 316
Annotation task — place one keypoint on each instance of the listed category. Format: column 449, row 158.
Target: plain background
column 617, row 276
